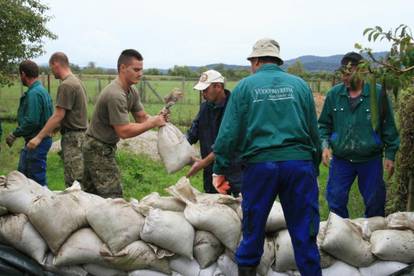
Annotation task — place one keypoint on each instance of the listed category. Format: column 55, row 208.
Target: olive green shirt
column 71, row 96
column 112, row 108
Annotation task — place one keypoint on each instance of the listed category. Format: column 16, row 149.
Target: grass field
column 141, row 175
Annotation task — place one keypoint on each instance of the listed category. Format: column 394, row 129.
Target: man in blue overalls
column 355, row 147
column 271, row 121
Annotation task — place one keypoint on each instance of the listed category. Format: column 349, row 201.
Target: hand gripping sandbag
column 174, row 149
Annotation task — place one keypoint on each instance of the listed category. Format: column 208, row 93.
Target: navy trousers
column 295, row 183
column 342, row 174
column 32, row 163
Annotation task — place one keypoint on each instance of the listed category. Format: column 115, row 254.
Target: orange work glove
column 220, row 183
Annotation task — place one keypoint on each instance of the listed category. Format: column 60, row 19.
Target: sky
column 197, row 33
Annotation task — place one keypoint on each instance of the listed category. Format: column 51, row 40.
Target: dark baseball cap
column 352, row 58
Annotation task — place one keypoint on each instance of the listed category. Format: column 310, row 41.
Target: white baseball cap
column 207, row 78
column 266, row 47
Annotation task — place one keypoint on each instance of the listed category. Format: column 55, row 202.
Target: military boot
column 247, row 271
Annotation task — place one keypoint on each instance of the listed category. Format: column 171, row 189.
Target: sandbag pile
column 186, row 233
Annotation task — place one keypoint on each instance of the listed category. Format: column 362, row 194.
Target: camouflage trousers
column 72, row 143
column 101, row 173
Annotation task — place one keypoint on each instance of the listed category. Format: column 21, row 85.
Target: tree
column 152, row 71
column 297, row 69
column 22, row 30
column 396, row 73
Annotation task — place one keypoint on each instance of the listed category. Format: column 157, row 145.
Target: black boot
column 247, row 271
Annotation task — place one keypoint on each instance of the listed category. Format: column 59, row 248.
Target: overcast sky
column 193, row 32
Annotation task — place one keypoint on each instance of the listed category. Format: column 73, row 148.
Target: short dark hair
column 29, row 68
column 60, row 58
column 269, row 59
column 127, row 55
column 351, row 58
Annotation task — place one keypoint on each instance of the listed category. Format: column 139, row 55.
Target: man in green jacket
column 270, row 120
column 351, row 146
column 35, row 108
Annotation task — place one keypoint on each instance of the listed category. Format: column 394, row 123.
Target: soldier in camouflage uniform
column 71, row 115
column 110, row 121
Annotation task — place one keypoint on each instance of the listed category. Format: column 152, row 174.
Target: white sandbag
column 137, row 255
column 381, row 268
column 207, row 248
column 115, row 222
column 169, row 230
column 17, row 192
column 218, row 219
column 174, row 149
column 369, row 225
column 184, row 266
column 62, row 270
column 146, row 272
column 275, row 273
column 401, row 220
column 276, row 219
column 393, row 245
column 227, row 266
column 326, row 259
column 18, row 232
column 82, row 247
column 56, row 217
column 167, row 203
column 344, row 241
column 85, row 200
column 285, row 256
column 268, row 257
column 340, row 268
column 209, row 271
column 98, row 270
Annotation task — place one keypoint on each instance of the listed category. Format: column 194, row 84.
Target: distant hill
column 311, row 63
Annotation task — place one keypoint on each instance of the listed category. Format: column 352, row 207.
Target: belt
column 66, row 130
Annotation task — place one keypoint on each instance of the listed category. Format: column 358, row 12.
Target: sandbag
column 340, row 268
column 227, row 266
column 285, row 256
column 393, row 245
column 401, row 220
column 137, row 255
column 98, row 270
column 184, row 266
column 115, row 222
column 82, row 247
column 85, row 200
column 146, row 272
column 62, row 270
column 381, row 268
column 174, row 149
column 17, row 192
column 268, row 257
column 276, row 219
column 369, row 225
column 207, row 248
column 326, row 259
column 56, row 217
column 344, row 241
column 218, row 219
column 167, row 203
column 275, row 273
column 17, row 231
column 169, row 230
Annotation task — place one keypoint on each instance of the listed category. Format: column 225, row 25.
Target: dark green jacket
column 270, row 117
column 350, row 133
column 35, row 108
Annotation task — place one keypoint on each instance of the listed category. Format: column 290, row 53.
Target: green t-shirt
column 71, row 96
column 112, row 108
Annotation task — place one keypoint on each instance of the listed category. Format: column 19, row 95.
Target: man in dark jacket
column 204, row 128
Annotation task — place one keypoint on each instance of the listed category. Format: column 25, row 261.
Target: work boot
column 247, row 271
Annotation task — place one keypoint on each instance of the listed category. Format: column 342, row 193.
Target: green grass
column 141, row 175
